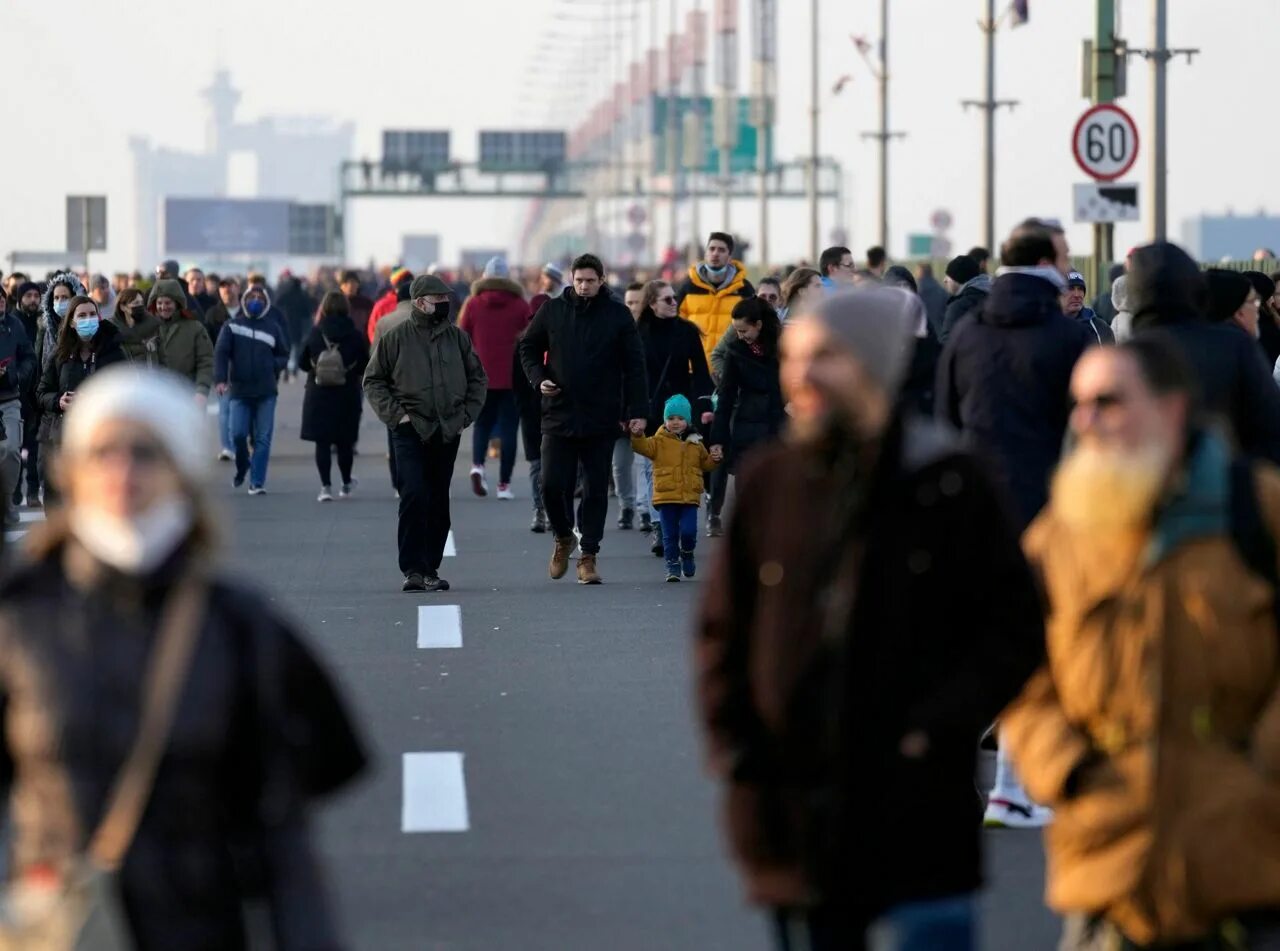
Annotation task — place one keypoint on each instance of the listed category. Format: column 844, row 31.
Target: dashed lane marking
column 439, row 625
column 435, row 793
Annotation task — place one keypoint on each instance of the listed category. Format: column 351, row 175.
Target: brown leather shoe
column 560, row 557
column 587, row 570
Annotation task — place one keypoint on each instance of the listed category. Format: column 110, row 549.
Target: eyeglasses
column 143, row 454
column 669, row 299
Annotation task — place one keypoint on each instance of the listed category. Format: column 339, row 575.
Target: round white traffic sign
column 1105, row 142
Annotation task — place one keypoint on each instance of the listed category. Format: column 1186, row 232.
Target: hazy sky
column 80, row 76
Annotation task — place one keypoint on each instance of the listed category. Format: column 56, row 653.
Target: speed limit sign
column 1105, row 142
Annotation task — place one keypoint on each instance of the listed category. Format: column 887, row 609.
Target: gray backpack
column 330, row 369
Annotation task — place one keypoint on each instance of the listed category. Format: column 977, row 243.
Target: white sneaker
column 325, row 495
column 505, row 493
column 226, row 456
column 479, row 484
column 1007, row 814
column 257, row 490
column 348, row 488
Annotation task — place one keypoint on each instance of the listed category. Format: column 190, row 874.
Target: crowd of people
column 958, row 503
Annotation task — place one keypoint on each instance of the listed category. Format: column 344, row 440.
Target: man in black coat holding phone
column 582, row 353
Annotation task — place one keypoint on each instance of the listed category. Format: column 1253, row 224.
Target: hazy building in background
column 287, row 157
column 1214, row 237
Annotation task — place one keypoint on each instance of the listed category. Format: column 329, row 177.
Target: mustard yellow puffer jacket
column 678, row 465
column 711, row 308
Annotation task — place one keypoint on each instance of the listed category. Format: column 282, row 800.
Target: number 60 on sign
column 1105, row 142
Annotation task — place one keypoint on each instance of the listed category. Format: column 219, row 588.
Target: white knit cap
column 158, row 399
column 878, row 325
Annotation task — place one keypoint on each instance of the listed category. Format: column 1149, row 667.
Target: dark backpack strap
column 1256, row 545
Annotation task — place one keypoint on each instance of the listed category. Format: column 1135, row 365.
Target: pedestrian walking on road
column 749, row 408
column 1153, row 728
column 680, row 460
column 17, row 369
column 139, row 330
column 425, row 382
column 1074, row 307
column 969, row 289
column 185, row 345
column 86, row 344
column 860, row 628
column 133, row 678
column 252, row 352
column 713, row 288
column 55, row 304
column 494, row 317
column 582, row 352
column 333, row 357
column 675, row 364
column 1003, row 381
column 529, row 405
column 27, row 296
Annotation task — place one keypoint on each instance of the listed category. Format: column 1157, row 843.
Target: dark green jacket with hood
column 184, row 343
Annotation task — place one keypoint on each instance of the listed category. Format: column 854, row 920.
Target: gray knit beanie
column 878, row 325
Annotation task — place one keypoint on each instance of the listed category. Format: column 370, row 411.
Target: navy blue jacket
column 17, row 356
column 1003, row 381
column 251, row 353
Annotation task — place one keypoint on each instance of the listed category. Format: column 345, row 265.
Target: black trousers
column 561, row 458
column 391, row 459
column 423, row 472
column 324, row 462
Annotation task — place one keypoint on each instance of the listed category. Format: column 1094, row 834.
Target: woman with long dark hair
column 675, row 365
column 139, row 329
column 750, row 408
column 85, row 344
column 333, row 358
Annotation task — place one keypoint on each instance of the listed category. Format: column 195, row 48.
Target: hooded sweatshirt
column 251, row 353
column 184, row 343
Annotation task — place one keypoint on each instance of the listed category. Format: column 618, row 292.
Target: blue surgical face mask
column 60, row 307
column 86, row 327
column 255, row 307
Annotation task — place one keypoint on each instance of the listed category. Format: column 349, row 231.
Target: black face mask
column 441, row 313
column 137, row 310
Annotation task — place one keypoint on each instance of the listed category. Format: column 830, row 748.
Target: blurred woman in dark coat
column 331, row 409
column 257, row 730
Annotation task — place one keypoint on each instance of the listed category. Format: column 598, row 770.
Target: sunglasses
column 669, row 299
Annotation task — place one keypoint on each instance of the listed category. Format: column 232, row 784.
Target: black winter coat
column 804, row 715
column 331, row 414
column 1167, row 292
column 675, row 363
column 58, row 378
column 968, row 301
column 750, row 409
column 258, row 731
column 595, row 356
column 1003, row 381
column 922, row 376
column 530, row 408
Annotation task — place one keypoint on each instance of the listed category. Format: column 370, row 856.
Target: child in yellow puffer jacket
column 679, row 460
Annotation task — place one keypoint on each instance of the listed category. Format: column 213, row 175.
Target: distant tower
column 222, row 98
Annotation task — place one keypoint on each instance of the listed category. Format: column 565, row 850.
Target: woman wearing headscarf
column 206, row 792
column 333, row 357
column 85, row 345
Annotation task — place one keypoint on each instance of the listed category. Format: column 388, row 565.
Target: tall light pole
column 989, row 104
column 883, row 136
column 673, row 125
column 727, row 113
column 811, row 183
column 695, row 156
column 765, row 28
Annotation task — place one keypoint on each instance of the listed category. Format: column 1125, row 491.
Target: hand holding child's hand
column 717, row 454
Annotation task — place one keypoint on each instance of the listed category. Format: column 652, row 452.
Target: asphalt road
column 570, row 777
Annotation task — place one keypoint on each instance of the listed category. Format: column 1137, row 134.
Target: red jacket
column 386, row 304
column 494, row 316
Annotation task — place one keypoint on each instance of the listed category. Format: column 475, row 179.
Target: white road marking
column 13, row 536
column 439, row 625
column 450, row 549
column 31, row 516
column 435, row 793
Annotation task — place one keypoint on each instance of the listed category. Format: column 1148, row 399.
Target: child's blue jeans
column 679, row 530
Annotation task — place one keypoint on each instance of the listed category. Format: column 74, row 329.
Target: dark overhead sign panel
column 522, row 151
column 412, row 150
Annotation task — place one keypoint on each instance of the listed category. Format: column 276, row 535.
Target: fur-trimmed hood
column 46, row 301
column 497, row 284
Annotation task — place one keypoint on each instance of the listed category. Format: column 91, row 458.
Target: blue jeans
column 644, row 485
column 934, row 925
column 499, row 413
column 224, row 423
column 256, row 417
column 679, row 530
